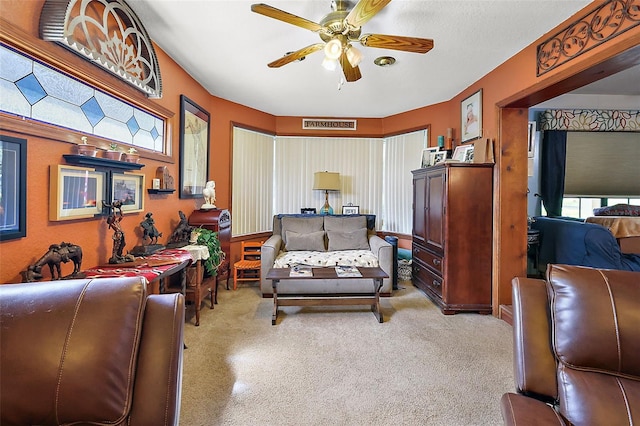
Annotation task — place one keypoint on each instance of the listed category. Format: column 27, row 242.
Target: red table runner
column 147, row 269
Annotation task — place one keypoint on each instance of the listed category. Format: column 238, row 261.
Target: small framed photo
column 128, row 189
column 471, row 117
column 75, row 192
column 426, row 156
column 350, row 209
column 438, row 157
column 464, row 153
column 308, row 210
column 531, row 136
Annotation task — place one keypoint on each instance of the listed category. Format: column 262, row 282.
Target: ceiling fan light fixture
column 333, row 49
column 329, row 64
column 354, row 56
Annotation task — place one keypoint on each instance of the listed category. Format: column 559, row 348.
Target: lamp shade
column 326, row 181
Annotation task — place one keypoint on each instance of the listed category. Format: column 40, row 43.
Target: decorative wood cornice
column 602, row 24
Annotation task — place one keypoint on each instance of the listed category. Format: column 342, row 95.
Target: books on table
column 301, row 271
column 347, row 271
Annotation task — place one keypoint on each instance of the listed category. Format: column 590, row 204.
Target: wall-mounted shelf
column 160, row 191
column 83, row 160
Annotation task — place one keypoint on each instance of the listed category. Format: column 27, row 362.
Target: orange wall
column 514, row 78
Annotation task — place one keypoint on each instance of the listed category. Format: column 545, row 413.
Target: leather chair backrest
column 577, row 342
column 69, row 350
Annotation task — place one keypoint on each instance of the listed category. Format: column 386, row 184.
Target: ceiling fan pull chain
column 341, row 82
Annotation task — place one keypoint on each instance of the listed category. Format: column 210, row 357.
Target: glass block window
column 30, row 89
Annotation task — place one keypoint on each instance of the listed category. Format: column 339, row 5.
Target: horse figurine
column 57, row 253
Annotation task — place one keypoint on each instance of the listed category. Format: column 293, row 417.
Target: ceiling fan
column 338, row 29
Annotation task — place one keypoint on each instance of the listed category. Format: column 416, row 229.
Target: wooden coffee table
column 376, row 275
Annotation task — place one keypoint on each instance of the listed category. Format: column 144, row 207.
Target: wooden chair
column 248, row 267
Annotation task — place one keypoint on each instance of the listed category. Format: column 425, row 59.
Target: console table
column 157, row 269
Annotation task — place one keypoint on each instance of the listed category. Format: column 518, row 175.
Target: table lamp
column 326, row 181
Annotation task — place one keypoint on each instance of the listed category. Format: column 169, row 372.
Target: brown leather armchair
column 90, row 351
column 576, row 348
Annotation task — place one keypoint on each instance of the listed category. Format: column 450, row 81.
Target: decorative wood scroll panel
column 606, row 22
column 107, row 33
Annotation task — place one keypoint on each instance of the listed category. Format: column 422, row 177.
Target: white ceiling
column 226, row 48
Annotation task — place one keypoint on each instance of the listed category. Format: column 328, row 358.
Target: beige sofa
column 325, row 241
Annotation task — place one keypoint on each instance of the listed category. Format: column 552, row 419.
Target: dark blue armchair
column 573, row 242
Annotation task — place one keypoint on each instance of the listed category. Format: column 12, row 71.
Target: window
column 582, row 207
column 375, row 175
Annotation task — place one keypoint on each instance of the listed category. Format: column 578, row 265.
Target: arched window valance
column 107, row 33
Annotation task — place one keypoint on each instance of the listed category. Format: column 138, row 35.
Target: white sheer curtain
column 357, row 160
column 402, row 154
column 252, row 182
column 275, row 175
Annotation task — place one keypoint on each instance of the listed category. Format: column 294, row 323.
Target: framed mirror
column 195, row 125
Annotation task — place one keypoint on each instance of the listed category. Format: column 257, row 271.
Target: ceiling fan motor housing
column 334, row 24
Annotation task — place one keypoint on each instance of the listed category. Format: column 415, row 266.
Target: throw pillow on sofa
column 354, row 240
column 344, row 224
column 301, row 225
column 313, row 241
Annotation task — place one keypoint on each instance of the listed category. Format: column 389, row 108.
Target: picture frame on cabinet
column 471, row 117
column 13, row 195
column 464, row 153
column 438, row 157
column 128, row 189
column 195, row 128
column 426, row 156
column 75, row 192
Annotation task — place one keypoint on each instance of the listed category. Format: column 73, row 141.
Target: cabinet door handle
column 436, row 262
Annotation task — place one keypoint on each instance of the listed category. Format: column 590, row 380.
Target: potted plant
column 113, row 153
column 209, row 238
column 132, row 156
column 85, row 149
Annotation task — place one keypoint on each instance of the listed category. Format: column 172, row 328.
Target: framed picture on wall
column 128, row 189
column 75, row 192
column 13, row 195
column 195, row 127
column 471, row 117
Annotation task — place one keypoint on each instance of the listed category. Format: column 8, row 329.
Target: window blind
column 602, row 164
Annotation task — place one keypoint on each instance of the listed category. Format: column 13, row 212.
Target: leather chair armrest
column 268, row 253
column 534, row 362
column 158, row 381
column 525, row 411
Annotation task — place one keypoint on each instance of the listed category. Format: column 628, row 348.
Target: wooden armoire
column 452, row 235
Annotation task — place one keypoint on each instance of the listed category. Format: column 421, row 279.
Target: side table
column 197, row 287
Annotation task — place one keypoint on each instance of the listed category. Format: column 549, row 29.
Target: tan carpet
column 339, row 366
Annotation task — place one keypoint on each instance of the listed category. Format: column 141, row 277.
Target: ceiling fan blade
column 294, row 56
column 287, row 17
column 407, row 44
column 364, row 10
column 350, row 73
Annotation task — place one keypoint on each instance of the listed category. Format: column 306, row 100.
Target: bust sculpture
column 209, row 193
